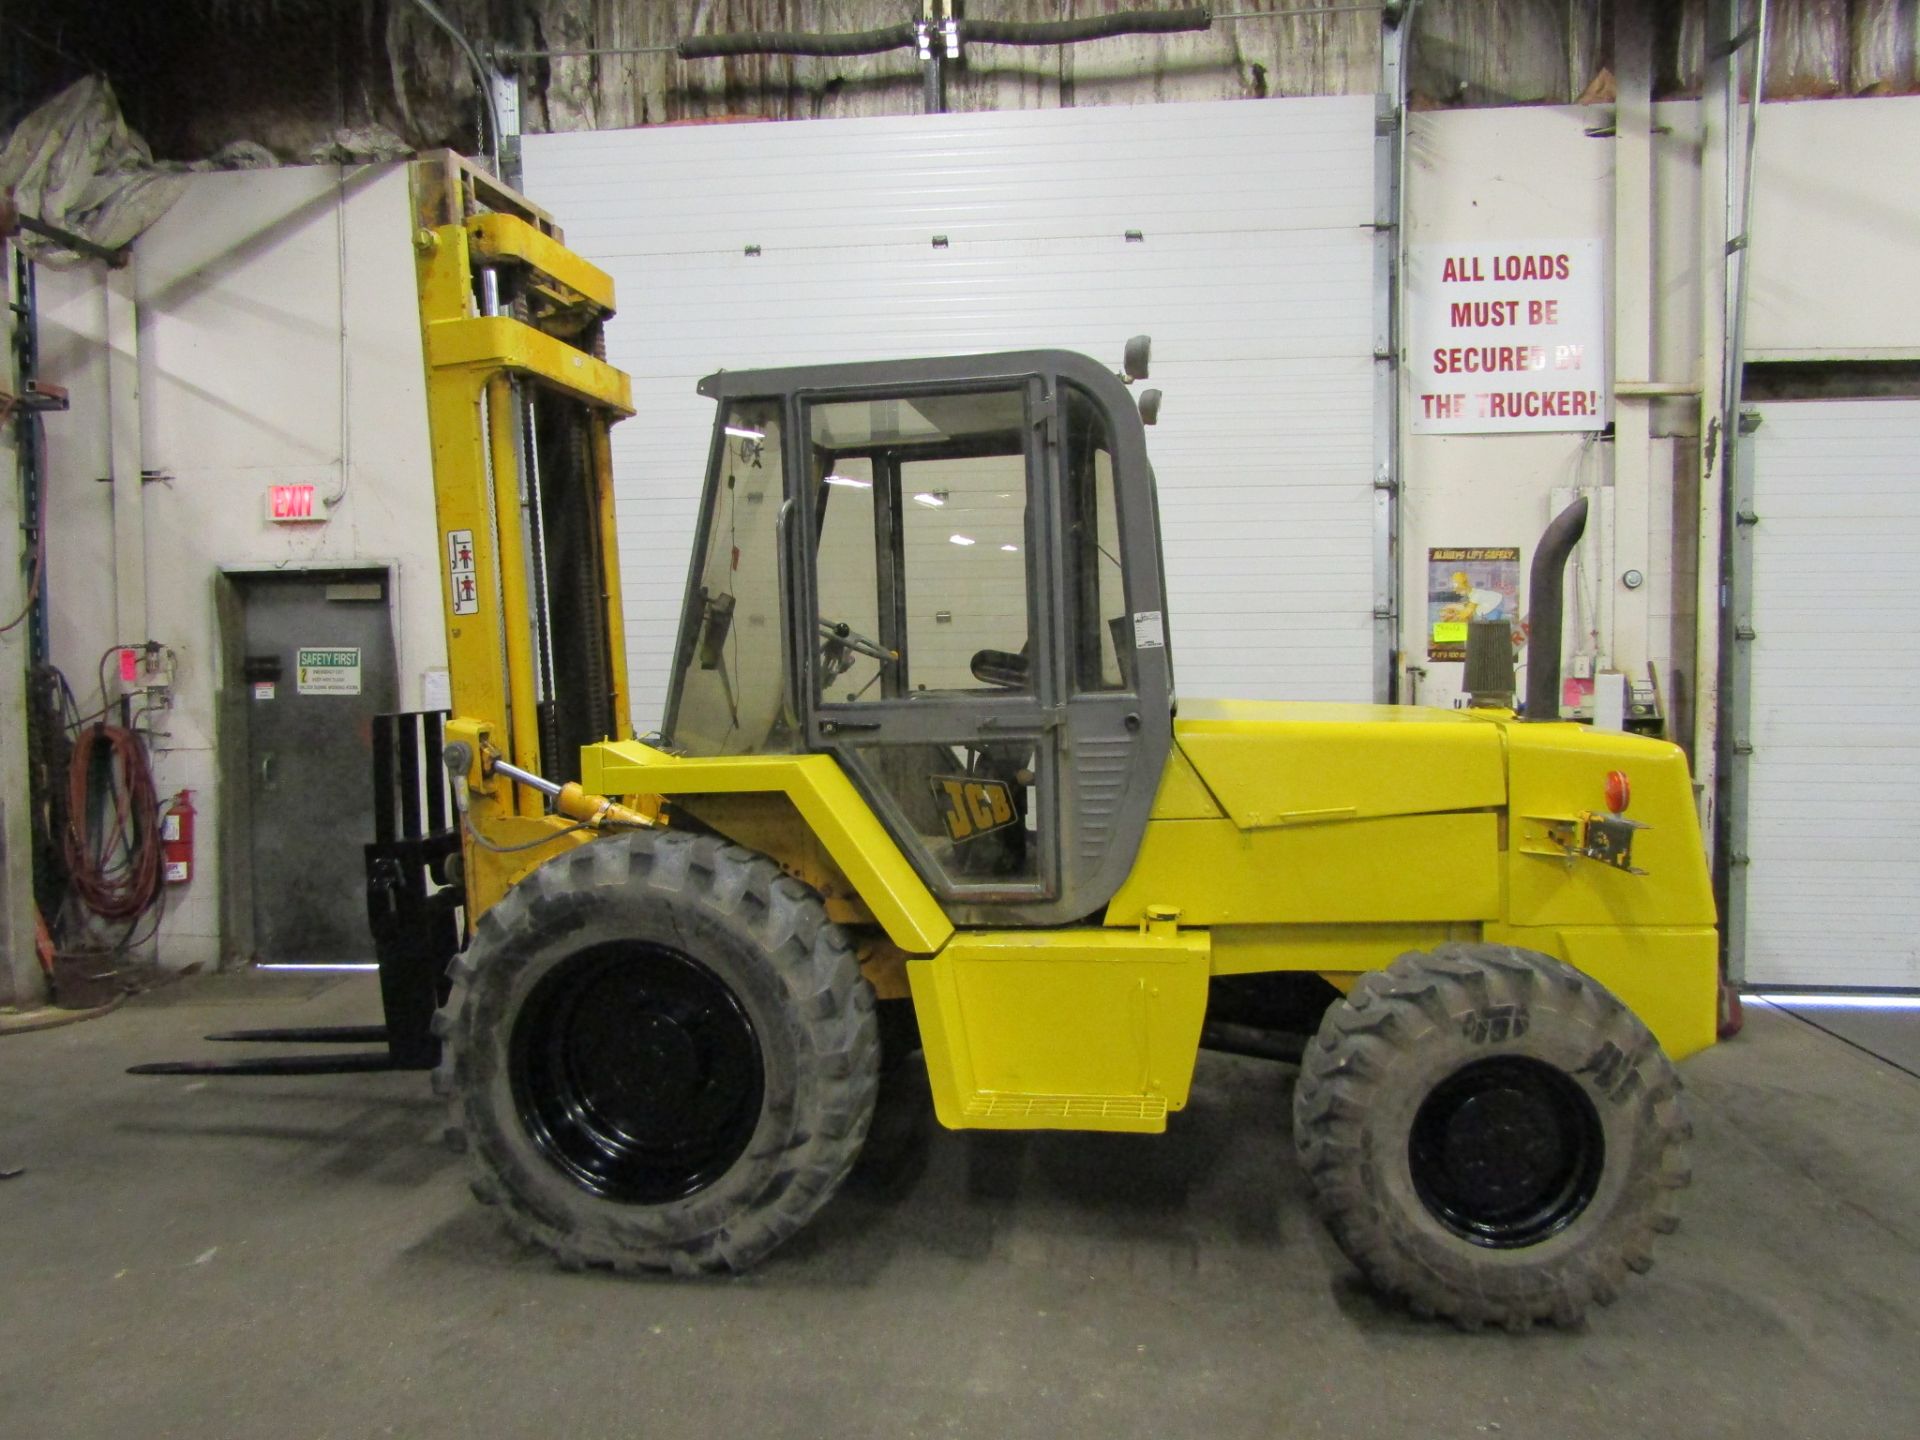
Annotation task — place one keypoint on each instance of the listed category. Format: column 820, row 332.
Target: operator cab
column 945, row 574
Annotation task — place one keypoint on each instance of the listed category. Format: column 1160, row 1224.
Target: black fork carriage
column 415, row 908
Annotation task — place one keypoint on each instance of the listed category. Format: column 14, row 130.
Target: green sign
column 328, row 672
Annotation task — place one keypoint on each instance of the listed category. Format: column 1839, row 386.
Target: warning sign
column 328, row 672
column 1507, row 337
column 1467, row 583
column 462, row 574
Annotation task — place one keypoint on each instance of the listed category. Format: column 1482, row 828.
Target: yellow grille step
column 1145, row 1114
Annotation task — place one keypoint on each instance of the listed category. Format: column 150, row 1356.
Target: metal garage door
column 1236, row 234
column 1833, row 813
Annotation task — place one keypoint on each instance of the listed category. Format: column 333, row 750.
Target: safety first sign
column 327, row 672
column 1507, row 337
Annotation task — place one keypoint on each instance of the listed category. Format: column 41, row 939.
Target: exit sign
column 292, row 504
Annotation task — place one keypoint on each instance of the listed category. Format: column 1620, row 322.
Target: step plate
column 1145, row 1114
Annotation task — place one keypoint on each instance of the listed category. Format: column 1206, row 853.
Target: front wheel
column 659, row 1054
column 1490, row 1135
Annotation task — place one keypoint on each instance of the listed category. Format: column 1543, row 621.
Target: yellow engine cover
column 1308, row 814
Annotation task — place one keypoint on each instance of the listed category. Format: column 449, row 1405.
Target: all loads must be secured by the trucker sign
column 1507, row 337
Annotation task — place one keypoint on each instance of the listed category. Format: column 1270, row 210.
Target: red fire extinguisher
column 176, row 839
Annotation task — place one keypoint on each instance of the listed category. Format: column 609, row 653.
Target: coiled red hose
column 115, row 873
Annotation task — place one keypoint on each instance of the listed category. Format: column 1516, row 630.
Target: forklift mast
column 520, row 400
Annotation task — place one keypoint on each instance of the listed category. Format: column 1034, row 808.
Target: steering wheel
column 840, row 642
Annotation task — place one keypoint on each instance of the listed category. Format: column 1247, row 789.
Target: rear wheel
column 659, row 1054
column 1490, row 1135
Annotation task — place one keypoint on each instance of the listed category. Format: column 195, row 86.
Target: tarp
column 74, row 163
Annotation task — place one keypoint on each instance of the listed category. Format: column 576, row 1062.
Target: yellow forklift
column 923, row 785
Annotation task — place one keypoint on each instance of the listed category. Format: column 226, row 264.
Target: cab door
column 963, row 634
column 925, row 648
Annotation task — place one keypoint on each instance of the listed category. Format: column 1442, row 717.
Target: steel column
column 1389, row 157
column 1624, row 614
column 1716, row 114
column 123, row 449
column 1736, row 694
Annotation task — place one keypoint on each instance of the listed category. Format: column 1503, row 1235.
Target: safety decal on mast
column 462, row 576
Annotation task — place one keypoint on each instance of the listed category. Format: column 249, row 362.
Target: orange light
column 1619, row 791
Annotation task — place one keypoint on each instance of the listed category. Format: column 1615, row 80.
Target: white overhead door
column 1833, row 814
column 1236, row 234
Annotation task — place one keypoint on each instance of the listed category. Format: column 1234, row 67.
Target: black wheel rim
column 1507, row 1151
column 636, row 1072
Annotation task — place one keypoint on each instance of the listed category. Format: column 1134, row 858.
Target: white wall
column 279, row 342
column 1836, row 216
column 1836, row 231
column 1514, row 175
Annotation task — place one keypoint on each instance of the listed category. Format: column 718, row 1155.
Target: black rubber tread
column 1402, row 1028
column 812, row 1007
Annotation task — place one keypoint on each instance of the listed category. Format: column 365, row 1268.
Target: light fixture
column 745, row 434
column 324, row 966
column 932, row 499
column 961, row 539
column 1011, row 549
column 852, row 481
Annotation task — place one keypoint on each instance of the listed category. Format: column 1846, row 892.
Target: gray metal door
column 319, row 665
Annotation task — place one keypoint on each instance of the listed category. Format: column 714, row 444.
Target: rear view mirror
column 1139, row 348
column 1149, row 406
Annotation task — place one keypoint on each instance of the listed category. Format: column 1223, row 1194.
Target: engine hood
column 1271, row 763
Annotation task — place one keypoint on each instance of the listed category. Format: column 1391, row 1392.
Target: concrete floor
column 1890, row 1035
column 291, row 1259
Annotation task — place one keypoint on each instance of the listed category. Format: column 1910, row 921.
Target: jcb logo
column 973, row 806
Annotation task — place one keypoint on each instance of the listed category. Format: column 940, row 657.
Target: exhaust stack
column 1546, row 591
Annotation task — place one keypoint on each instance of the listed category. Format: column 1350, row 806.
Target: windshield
column 729, row 691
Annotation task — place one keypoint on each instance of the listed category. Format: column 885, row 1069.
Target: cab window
column 921, row 577
column 1098, row 622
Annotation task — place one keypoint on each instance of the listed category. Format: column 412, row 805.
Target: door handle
column 266, row 769
column 834, row 727
column 1047, row 720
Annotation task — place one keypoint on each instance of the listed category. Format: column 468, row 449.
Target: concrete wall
column 278, row 342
